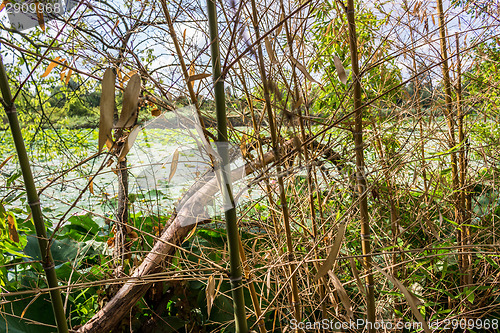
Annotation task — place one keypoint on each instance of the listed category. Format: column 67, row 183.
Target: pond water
column 150, row 165
column 154, row 188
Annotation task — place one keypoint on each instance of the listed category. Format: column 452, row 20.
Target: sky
column 458, row 22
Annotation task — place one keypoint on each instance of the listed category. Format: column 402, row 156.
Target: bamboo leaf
column 115, row 26
column 196, row 77
column 328, row 28
column 107, row 108
column 191, row 233
column 13, row 235
column 210, row 293
column 39, row 15
column 29, row 304
column 268, row 282
column 205, row 143
column 412, row 300
column 303, row 69
column 270, row 51
column 62, row 74
column 129, row 142
column 130, row 74
column 297, row 143
column 355, row 273
column 119, row 76
column 273, row 87
column 340, row 69
column 346, row 302
column 278, row 30
column 330, row 260
column 173, row 165
column 298, row 103
column 68, row 76
column 51, row 66
column 6, row 160
column 91, row 185
column 155, row 112
column 128, row 116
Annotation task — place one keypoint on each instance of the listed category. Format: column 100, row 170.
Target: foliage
column 330, row 37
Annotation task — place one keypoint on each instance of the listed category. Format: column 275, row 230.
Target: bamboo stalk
column 251, row 288
column 467, row 260
column 222, row 138
column 34, row 202
column 305, row 151
column 451, row 122
column 246, row 268
column 275, row 146
column 121, row 247
column 360, row 166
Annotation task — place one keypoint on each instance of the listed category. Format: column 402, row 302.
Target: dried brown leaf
column 210, row 293
column 340, row 69
column 6, row 160
column 268, row 282
column 107, row 108
column 39, row 15
column 411, row 299
column 173, row 166
column 68, row 76
column 270, row 50
column 115, row 26
column 129, row 142
column 332, row 256
column 196, row 77
column 128, row 116
column 51, row 66
column 298, row 103
column 346, row 302
column 155, row 112
column 13, row 235
column 355, row 273
column 278, row 30
column 303, row 69
column 274, row 88
column 91, row 185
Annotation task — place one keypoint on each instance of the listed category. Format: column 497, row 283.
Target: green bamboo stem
column 222, row 138
column 360, row 166
column 275, row 145
column 34, row 203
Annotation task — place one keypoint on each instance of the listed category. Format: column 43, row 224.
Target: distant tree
column 330, row 38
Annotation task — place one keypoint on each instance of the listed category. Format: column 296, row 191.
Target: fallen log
column 191, row 212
